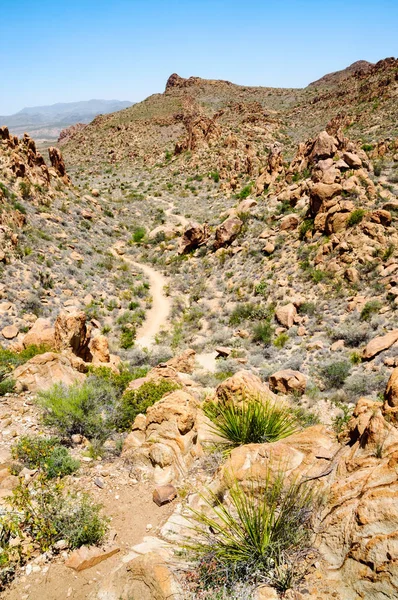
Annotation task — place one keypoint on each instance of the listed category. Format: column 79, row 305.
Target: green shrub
column 127, row 338
column 245, row 192
column 137, row 401
column 334, row 374
column 263, row 332
column 253, row 421
column 215, row 176
column 26, row 189
column 138, row 235
column 389, row 252
column 370, row 308
column 86, row 408
column 46, row 454
column 246, row 311
column 47, row 515
column 263, row 534
column 7, row 386
column 281, row 340
column 306, row 225
column 355, row 217
column 352, row 332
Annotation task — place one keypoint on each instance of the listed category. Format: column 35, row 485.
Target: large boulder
column 41, row 334
column 72, row 334
column 227, row 232
column 43, row 370
column 390, row 407
column 194, row 236
column 286, row 315
column 243, row 384
column 324, row 146
column 163, row 442
column 379, row 343
column 99, row 349
column 287, row 381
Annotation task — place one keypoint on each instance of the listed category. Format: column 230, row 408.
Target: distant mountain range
column 46, row 122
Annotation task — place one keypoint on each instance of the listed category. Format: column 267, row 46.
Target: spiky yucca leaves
column 253, row 421
column 262, row 534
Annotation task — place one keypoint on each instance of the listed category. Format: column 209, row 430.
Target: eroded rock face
column 162, row 443
column 286, row 315
column 194, row 236
column 72, row 334
column 227, row 232
column 58, row 163
column 359, row 526
column 44, row 370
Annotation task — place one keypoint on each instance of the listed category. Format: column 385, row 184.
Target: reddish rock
column 164, row 494
column 89, row 556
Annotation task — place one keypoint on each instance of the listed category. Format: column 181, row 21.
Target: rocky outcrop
column 194, row 236
column 58, row 163
column 41, row 334
column 244, row 384
column 44, row 370
column 72, row 334
column 227, row 232
column 163, row 442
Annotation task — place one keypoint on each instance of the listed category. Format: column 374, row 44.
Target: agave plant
column 253, row 421
column 257, row 535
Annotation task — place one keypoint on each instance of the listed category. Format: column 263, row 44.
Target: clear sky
column 68, row 50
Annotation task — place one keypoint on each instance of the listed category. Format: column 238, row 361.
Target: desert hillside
column 199, row 346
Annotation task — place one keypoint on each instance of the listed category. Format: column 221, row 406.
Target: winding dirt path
column 158, row 314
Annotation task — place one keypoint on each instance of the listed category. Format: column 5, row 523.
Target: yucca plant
column 257, row 536
column 253, row 421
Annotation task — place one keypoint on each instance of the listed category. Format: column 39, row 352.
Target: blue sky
column 64, row 51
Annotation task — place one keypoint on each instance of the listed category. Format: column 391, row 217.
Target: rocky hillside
column 211, row 275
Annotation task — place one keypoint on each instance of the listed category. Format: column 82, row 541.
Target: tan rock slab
column 380, row 343
column 89, row 556
column 10, row 332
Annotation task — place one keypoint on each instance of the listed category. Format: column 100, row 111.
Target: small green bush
column 355, row 217
column 127, row 338
column 7, row 386
column 334, row 374
column 46, row 454
column 137, row 401
column 263, row 332
column 370, row 308
column 253, row 421
column 245, row 192
column 281, row 340
column 306, row 225
column 138, row 235
column 86, row 408
column 47, row 515
column 247, row 311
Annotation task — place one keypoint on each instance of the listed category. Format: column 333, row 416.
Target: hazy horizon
column 88, row 49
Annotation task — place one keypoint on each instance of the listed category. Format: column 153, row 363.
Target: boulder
column 99, row 349
column 9, row 332
column 194, row 236
column 289, row 223
column 72, row 334
column 321, row 193
column 184, row 363
column 164, row 494
column 162, row 443
column 41, row 334
column 227, row 232
column 379, row 343
column 43, row 370
column 86, row 557
column 352, row 160
column 324, row 146
column 242, row 384
column 286, row 315
column 287, row 381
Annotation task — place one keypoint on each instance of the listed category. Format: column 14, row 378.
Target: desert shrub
column 281, row 340
column 388, row 253
column 26, row 189
column 307, row 308
column 306, row 225
column 340, row 421
column 46, row 454
column 377, row 168
column 334, row 374
column 245, row 192
column 127, row 337
column 263, row 332
column 370, row 308
column 137, row 401
column 355, row 217
column 7, row 385
column 305, row 417
column 138, row 234
column 86, row 408
column 253, row 421
column 120, row 380
column 215, row 176
column 352, row 332
column 47, row 515
column 261, row 535
column 247, row 311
